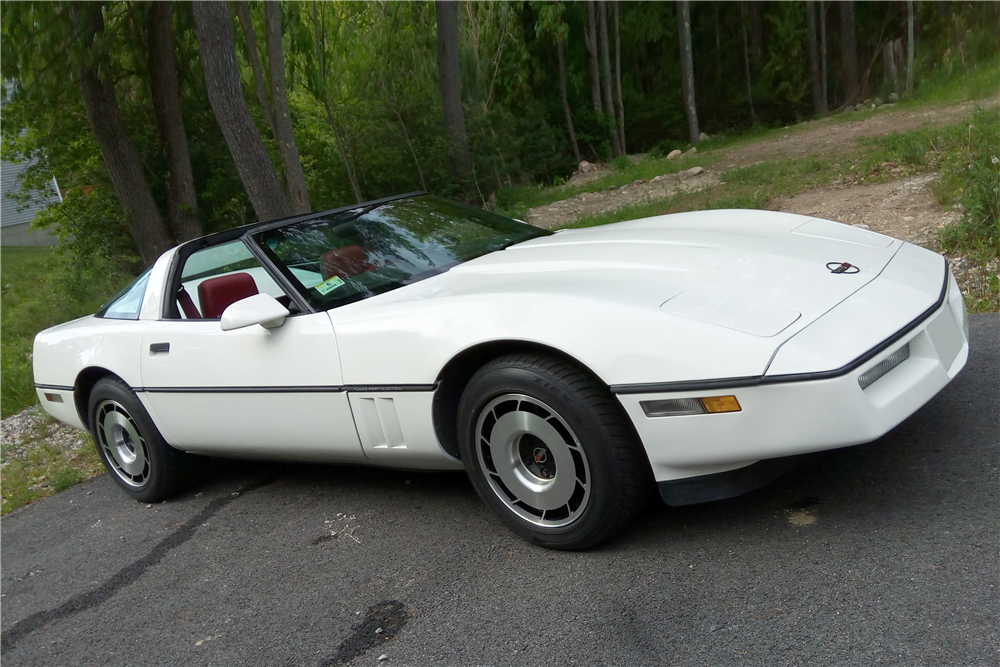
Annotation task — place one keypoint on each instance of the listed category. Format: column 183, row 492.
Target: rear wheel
column 130, row 446
column 550, row 452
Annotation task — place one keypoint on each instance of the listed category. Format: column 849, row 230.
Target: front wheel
column 130, row 446
column 550, row 452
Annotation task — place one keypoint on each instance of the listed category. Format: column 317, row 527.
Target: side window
column 214, row 278
column 128, row 302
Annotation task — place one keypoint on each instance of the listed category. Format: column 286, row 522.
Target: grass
column 35, row 468
column 40, row 288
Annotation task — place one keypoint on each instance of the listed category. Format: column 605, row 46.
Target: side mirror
column 260, row 309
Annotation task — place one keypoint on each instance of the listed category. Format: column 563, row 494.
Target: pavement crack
column 125, row 576
column 382, row 622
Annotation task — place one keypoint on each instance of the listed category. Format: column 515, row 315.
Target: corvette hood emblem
column 842, row 267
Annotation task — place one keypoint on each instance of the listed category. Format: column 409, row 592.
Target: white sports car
column 566, row 372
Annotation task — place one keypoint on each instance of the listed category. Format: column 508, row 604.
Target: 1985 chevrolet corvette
column 566, row 372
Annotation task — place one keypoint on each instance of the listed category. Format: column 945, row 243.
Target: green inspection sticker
column 328, row 286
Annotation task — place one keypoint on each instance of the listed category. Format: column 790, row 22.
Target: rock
column 383, row 657
column 674, row 154
column 657, row 179
column 639, row 181
column 694, row 171
column 893, row 97
column 702, row 137
column 693, row 151
column 878, row 101
column 585, row 167
column 378, row 631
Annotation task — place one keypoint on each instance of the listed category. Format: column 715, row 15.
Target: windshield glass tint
column 355, row 254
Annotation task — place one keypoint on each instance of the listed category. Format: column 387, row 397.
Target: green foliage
column 42, row 288
column 973, row 164
column 786, row 75
column 371, row 70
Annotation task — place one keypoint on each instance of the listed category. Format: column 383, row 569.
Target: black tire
column 131, row 447
column 565, row 470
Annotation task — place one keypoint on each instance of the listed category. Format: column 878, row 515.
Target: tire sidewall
column 159, row 484
column 590, row 432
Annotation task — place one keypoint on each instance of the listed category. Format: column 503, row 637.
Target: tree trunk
column 565, row 99
column 889, row 74
column 687, row 67
column 822, row 51
column 283, row 132
column 222, row 80
column 756, row 33
column 260, row 89
column 910, row 47
column 746, row 60
column 590, row 41
column 450, row 82
column 817, row 78
column 616, row 147
column 620, row 111
column 849, row 50
column 119, row 154
column 182, row 202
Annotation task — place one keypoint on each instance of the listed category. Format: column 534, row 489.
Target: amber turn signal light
column 716, row 404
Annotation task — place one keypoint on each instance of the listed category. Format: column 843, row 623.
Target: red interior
column 217, row 294
column 345, row 262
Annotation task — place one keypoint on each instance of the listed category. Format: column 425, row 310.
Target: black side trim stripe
column 56, row 387
column 308, row 389
column 754, row 380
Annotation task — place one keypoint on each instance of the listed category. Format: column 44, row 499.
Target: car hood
column 758, row 272
column 674, row 298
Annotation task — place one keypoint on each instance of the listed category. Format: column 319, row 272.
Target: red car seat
column 217, row 294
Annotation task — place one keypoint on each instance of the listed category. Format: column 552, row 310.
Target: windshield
column 348, row 256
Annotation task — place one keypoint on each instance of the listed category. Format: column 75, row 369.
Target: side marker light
column 716, row 404
column 676, row 407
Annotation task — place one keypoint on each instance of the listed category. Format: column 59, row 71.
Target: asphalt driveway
column 883, row 554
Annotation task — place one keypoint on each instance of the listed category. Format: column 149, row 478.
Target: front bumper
column 797, row 415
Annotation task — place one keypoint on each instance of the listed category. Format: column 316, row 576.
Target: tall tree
column 746, row 61
column 550, row 21
column 222, row 80
column 590, row 41
column 687, row 67
column 283, row 132
column 910, row 47
column 817, row 79
column 620, row 111
column 450, row 82
column 182, row 202
column 117, row 151
column 849, row 50
column 822, row 51
column 250, row 39
column 616, row 147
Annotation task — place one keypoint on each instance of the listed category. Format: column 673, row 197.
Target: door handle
column 159, row 347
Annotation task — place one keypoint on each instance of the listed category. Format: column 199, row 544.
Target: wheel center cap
column 540, row 455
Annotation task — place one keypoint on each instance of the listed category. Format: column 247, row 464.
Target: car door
column 255, row 392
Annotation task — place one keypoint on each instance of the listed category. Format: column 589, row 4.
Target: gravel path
column 22, row 432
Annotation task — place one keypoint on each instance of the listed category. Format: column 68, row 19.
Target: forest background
column 163, row 121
